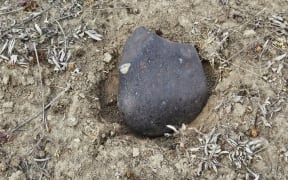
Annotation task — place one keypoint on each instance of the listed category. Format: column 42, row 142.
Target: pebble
column 185, row 22
column 91, row 77
column 18, row 175
column 160, row 83
column 135, row 152
column 107, row 57
column 75, row 143
column 6, row 79
column 82, row 95
column 72, row 121
column 249, row 33
column 3, row 166
column 30, row 80
column 239, row 109
column 238, row 99
column 8, row 105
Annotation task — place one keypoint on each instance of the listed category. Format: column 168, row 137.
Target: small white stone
column 6, row 79
column 135, row 152
column 17, row 175
column 184, row 21
column 238, row 99
column 91, row 77
column 72, row 121
column 107, row 57
column 82, row 95
column 75, row 143
column 124, row 68
column 50, row 117
column 239, row 109
column 30, row 80
column 249, row 33
column 8, row 105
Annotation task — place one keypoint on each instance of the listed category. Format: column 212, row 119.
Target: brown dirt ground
column 87, row 138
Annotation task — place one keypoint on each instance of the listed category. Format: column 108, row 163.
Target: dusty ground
column 241, row 133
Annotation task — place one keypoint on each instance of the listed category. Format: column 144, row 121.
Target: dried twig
column 42, row 88
column 41, row 160
column 240, row 67
column 13, row 11
column 38, row 113
column 240, row 152
column 242, row 50
column 65, row 41
column 245, row 23
column 113, row 8
column 247, row 46
column 28, row 19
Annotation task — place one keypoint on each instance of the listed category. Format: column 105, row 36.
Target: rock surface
column 160, row 83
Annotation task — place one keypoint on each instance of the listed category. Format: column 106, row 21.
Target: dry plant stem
column 63, row 34
column 13, row 11
column 242, row 50
column 40, row 112
column 247, row 46
column 24, row 21
column 240, row 67
column 239, row 28
column 114, row 8
column 196, row 130
column 62, row 18
column 42, row 88
column 41, row 160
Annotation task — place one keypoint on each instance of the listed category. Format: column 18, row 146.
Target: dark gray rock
column 160, row 83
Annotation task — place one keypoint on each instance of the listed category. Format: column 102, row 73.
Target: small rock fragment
column 135, row 152
column 75, row 144
column 249, row 33
column 160, row 83
column 30, row 80
column 82, row 95
column 237, row 99
column 72, row 121
column 91, row 77
column 18, row 175
column 6, row 79
column 72, row 117
column 3, row 166
column 107, row 57
column 184, row 21
column 239, row 109
column 8, row 105
column 124, row 68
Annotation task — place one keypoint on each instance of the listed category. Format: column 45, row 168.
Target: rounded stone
column 160, row 83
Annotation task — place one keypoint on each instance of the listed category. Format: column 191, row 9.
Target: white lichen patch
column 124, row 68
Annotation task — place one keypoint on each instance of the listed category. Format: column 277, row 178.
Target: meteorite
column 160, row 83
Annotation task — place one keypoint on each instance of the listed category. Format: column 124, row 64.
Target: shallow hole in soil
column 211, row 75
column 108, row 98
